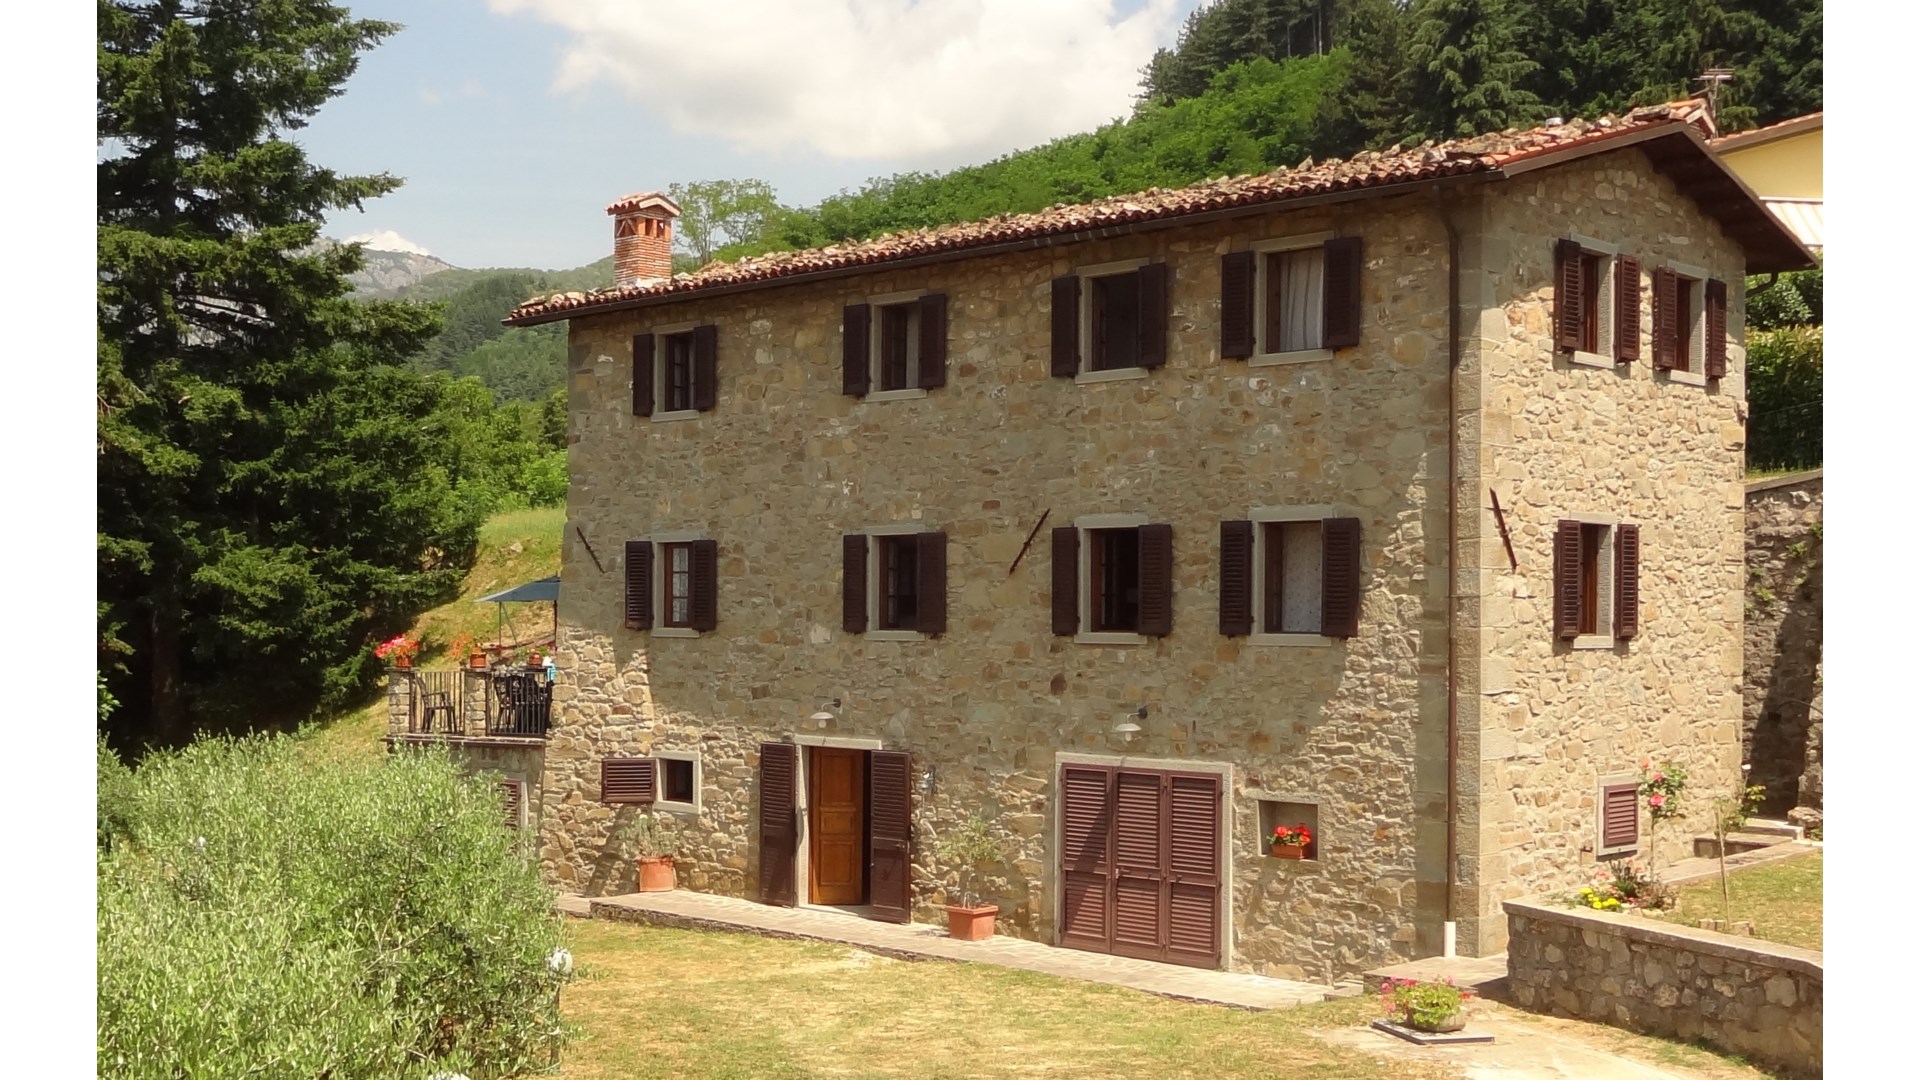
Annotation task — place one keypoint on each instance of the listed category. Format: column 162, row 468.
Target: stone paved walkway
column 917, row 941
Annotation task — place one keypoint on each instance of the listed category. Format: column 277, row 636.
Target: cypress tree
column 270, row 492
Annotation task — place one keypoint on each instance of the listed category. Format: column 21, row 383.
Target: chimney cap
column 644, row 200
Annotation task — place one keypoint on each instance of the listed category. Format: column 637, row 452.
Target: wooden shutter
column 856, row 343
column 1340, row 577
column 1066, row 580
column 1193, row 862
column 1566, row 580
column 639, row 571
column 933, row 341
column 779, row 829
column 628, row 780
column 889, row 837
column 1568, row 291
column 1626, row 310
column 706, row 584
column 853, row 584
column 1156, row 580
column 1626, row 581
column 1153, row 314
column 931, row 565
column 1666, row 316
column 513, row 800
column 1139, row 870
column 1619, row 818
column 643, row 374
column 1236, row 305
column 1716, row 366
column 1236, row 578
column 1066, row 326
column 1341, row 293
column 1086, row 856
column 705, row 366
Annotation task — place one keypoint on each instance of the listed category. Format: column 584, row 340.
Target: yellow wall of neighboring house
column 1786, row 168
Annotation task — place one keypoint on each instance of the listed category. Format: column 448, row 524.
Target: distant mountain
column 388, row 272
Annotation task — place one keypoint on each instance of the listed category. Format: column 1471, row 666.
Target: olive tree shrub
column 264, row 913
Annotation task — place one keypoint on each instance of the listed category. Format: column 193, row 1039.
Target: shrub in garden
column 263, row 913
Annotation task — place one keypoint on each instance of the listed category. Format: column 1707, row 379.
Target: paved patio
column 922, row 941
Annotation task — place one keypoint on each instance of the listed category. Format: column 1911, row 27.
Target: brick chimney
column 643, row 238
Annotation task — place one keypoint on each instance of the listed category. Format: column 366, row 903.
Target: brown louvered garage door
column 1140, row 863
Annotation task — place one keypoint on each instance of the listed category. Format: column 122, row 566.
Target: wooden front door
column 1139, row 860
column 837, row 825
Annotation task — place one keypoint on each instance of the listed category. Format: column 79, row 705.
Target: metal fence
column 469, row 702
column 1789, row 437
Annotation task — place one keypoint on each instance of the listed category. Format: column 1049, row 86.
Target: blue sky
column 514, row 122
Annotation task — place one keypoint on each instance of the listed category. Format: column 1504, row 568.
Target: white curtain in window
column 1296, row 308
column 1300, row 583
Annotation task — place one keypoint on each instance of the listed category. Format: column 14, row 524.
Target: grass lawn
column 678, row 1003
column 1782, row 898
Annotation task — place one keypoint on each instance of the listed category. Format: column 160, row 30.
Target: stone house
column 1399, row 496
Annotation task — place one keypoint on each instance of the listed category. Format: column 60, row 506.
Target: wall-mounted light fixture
column 823, row 717
column 1126, row 729
column 926, row 781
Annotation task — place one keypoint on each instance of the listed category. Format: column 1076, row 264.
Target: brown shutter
column 1342, row 293
column 1139, row 865
column 706, row 584
column 639, row 571
column 889, row 837
column 1156, row 580
column 1236, row 578
column 643, row 374
column 1626, row 310
column 1153, row 314
column 1568, row 282
column 1066, row 326
column 1236, row 305
column 1626, row 581
column 1340, row 577
column 779, row 829
column 1193, row 888
column 931, row 565
column 627, row 780
column 856, row 343
column 1066, row 580
column 1566, row 579
column 705, row 366
column 1716, row 328
column 1666, row 315
column 512, row 795
column 853, row 583
column 933, row 340
column 1619, row 816
column 1086, row 856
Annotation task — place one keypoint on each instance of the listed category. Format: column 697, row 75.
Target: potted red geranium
column 1291, row 841
column 400, row 650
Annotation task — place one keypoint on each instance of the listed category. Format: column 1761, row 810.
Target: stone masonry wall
column 1780, row 722
column 785, row 464
column 1541, row 723
column 1749, row 997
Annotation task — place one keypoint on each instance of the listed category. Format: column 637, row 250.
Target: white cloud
column 387, row 240
column 932, row 80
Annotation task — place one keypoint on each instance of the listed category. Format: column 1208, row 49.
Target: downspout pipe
column 1444, row 209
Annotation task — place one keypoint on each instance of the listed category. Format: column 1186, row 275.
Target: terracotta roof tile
column 1483, row 153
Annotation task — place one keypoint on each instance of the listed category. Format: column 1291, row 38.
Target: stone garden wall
column 1780, row 723
column 1749, row 997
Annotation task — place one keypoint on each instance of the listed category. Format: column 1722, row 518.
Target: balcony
column 501, row 703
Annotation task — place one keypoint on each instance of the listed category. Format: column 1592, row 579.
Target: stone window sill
column 1594, row 641
column 1108, row 637
column 894, row 635
column 1589, row 359
column 674, row 631
column 1302, row 356
column 907, row 394
column 675, row 807
column 677, row 414
column 1320, row 641
column 1686, row 378
column 1111, row 375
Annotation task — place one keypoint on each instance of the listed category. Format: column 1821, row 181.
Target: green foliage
column 650, row 836
column 1467, row 69
column 263, row 913
column 1422, row 1005
column 1219, row 35
column 1624, row 883
column 1795, row 299
column 968, row 845
column 717, row 213
column 1661, row 786
column 1784, row 377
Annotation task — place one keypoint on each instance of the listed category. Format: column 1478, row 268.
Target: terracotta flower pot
column 477, row 659
column 971, row 923
column 656, row 875
column 403, row 661
column 1289, row 851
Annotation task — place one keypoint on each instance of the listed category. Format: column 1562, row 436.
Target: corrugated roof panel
column 1802, row 216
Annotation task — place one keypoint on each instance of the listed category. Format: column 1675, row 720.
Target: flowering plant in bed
column 1425, row 1006
column 399, row 649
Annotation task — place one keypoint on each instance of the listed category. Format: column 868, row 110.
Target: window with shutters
column 1617, row 815
column 513, row 801
column 674, row 371
column 1290, row 576
column 1121, row 583
column 895, row 582
column 1596, row 298
column 672, row 586
column 1690, row 341
column 1291, row 299
column 1596, row 561
column 1117, row 325
column 679, row 781
column 895, row 346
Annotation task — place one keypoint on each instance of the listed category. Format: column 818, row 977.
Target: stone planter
column 655, row 875
column 971, row 923
column 1453, row 1022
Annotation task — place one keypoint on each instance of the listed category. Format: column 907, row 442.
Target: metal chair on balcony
column 436, row 713
column 524, row 699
